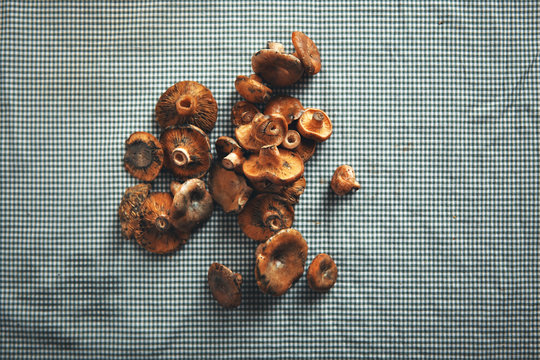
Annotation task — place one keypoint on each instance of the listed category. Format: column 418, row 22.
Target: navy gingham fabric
column 434, row 103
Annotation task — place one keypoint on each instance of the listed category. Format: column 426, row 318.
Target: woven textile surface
column 434, row 104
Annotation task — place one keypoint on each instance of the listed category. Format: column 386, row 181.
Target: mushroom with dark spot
column 144, row 156
column 344, row 180
column 252, row 89
column 279, row 166
column 307, row 52
column 225, row 285
column 291, row 193
column 322, row 273
column 192, row 204
column 128, row 211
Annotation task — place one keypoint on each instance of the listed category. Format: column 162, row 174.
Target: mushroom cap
column 192, row 140
column 280, row 262
column 306, row 149
column 279, row 166
column 226, row 145
column 155, row 232
column 264, row 215
column 307, row 52
column 128, row 211
column 243, row 113
column 225, row 285
column 144, row 156
column 322, row 273
column 344, row 180
column 252, row 90
column 187, row 102
column 228, row 188
column 287, row 106
column 277, row 68
column 291, row 193
column 262, row 131
column 192, row 204
column 315, row 124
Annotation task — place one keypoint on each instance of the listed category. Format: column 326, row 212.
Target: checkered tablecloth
column 434, row 103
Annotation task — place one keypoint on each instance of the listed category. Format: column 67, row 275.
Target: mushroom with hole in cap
column 144, row 156
column 192, row 204
column 344, row 180
column 228, row 188
column 287, row 106
column 243, row 113
column 262, row 131
column 128, row 211
column 322, row 273
column 252, row 89
column 307, row 52
column 231, row 154
column 277, row 68
column 314, row 124
column 225, row 285
column 279, row 166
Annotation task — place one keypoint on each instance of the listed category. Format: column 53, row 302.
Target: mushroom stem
column 232, row 161
column 318, row 118
column 356, row 185
column 242, row 200
column 292, row 140
column 162, row 223
column 272, row 220
column 269, row 155
column 186, row 105
column 180, row 156
column 276, row 46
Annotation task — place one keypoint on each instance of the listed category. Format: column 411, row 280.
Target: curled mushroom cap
column 128, row 211
column 307, row 52
column 280, row 262
column 289, row 107
column 252, row 89
column 344, row 180
column 187, row 102
column 243, row 113
column 315, row 124
column 279, row 166
column 264, row 215
column 291, row 193
column 231, row 154
column 144, row 156
column 225, row 285
column 322, row 273
column 155, row 232
column 228, row 188
column 187, row 151
column 277, row 68
column 192, row 204
column 262, row 131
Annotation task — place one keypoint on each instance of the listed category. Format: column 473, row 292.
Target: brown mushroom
column 307, row 52
column 128, row 211
column 243, row 113
column 322, row 273
column 291, row 193
column 289, row 107
column 280, row 261
column 277, row 68
column 225, row 285
column 155, row 232
column 231, row 154
column 264, row 215
column 315, row 124
column 279, row 166
column 192, row 204
column 187, row 151
column 262, row 131
column 306, row 149
column 344, row 180
column 228, row 188
column 187, row 102
column 252, row 89
column 292, row 140
column 144, row 156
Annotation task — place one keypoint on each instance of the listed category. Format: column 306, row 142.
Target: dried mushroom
column 262, row 131
column 225, row 285
column 344, row 180
column 279, row 166
column 307, row 52
column 315, row 124
column 280, row 262
column 252, row 89
column 128, row 211
column 187, row 102
column 243, row 113
column 276, row 67
column 192, row 204
column 187, row 151
column 144, row 156
column 228, row 188
column 291, row 193
column 287, row 106
column 322, row 273
column 231, row 154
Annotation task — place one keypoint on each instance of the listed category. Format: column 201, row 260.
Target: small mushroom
column 315, row 124
column 228, row 188
column 344, row 180
column 264, row 215
column 276, row 67
column 279, row 166
column 187, row 102
column 280, row 261
column 144, row 156
column 155, row 232
column 225, row 285
column 262, row 131
column 291, row 193
column 192, row 204
column 307, row 52
column 243, row 113
column 292, row 140
column 128, row 211
column 252, row 89
column 322, row 273
column 289, row 107
column 306, row 149
column 231, row 154
column 187, row 151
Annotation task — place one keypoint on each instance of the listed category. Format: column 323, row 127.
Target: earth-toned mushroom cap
column 144, row 156
column 322, row 273
column 225, row 285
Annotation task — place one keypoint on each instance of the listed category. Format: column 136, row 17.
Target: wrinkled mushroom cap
column 128, row 211
column 280, row 262
column 243, row 113
column 279, row 166
column 228, row 188
column 262, row 131
column 291, row 193
column 322, row 273
column 144, row 156
column 344, row 180
column 225, row 285
column 315, row 124
column 277, row 68
column 192, row 204
column 307, row 52
column 252, row 89
column 287, row 106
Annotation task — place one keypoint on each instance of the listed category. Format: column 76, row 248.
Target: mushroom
column 155, row 232
column 192, row 204
column 228, row 188
column 289, row 107
column 144, row 156
column 262, row 131
column 307, row 52
column 252, row 89
column 187, row 102
column 187, row 151
column 128, row 211
column 322, row 273
column 280, row 261
column 315, row 124
column 292, row 140
column 305, row 149
column 291, row 193
column 231, row 153
column 279, row 166
column 225, row 285
column 276, row 67
column 264, row 215
column 344, row 180
column 243, row 113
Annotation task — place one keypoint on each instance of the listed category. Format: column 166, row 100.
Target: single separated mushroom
column 279, row 166
column 344, row 180
column 231, row 154
column 287, row 106
column 280, row 261
column 144, row 156
column 262, row 131
column 291, row 193
column 322, row 273
column 187, row 102
column 252, row 89
column 264, row 215
column 243, row 113
column 314, row 124
column 225, row 285
column 307, row 52
column 192, row 204
column 276, row 67
column 187, row 151
column 128, row 211
column 228, row 188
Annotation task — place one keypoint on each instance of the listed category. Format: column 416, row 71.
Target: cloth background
column 435, row 105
